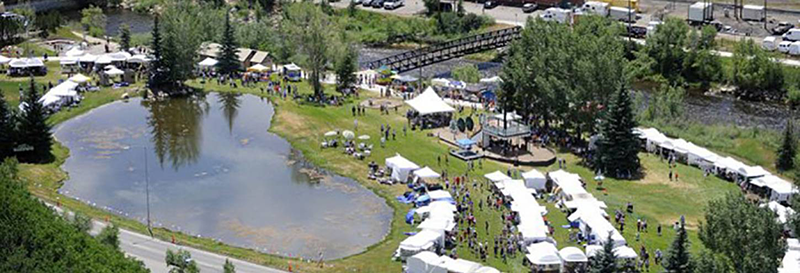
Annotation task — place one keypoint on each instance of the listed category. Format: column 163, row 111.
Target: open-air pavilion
column 430, row 110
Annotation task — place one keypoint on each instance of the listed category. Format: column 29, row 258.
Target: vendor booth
column 574, row 260
column 425, row 262
column 426, row 173
column 425, row 240
column 69, row 65
column 773, row 188
column 544, row 257
column 26, row 67
column 430, row 110
column 400, row 167
column 292, row 72
column 534, row 180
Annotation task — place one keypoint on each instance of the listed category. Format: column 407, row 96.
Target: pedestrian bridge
column 444, row 51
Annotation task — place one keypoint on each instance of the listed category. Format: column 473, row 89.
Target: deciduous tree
column 181, row 262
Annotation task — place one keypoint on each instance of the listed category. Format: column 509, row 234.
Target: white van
column 622, row 14
column 792, row 35
column 794, row 49
column 596, row 8
column 769, row 43
column 393, row 4
column 783, row 47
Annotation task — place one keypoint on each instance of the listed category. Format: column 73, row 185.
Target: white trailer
column 700, row 13
column 622, row 14
column 770, row 43
column 563, row 16
column 596, row 8
column 794, row 49
column 753, row 13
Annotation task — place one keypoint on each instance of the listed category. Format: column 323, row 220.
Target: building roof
column 260, row 56
column 213, row 49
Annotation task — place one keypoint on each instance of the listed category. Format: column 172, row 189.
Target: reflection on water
column 217, row 173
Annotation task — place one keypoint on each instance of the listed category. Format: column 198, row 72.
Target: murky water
column 215, row 171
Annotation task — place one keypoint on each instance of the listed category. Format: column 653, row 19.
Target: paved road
column 153, row 252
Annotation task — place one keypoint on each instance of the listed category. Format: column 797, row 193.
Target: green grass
column 655, row 198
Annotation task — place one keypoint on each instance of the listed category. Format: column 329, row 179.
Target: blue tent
column 465, row 143
column 489, row 95
column 410, row 216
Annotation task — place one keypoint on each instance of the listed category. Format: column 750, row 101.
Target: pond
column 216, row 172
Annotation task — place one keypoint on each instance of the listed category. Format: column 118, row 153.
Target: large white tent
column 439, row 224
column 439, row 195
column 429, row 103
column 139, row 58
column 61, row 93
column 423, row 240
column 594, row 222
column 426, row 173
column 87, row 58
column 208, row 62
column 4, row 59
column 74, row 52
column 425, row 262
column 779, row 189
column 572, row 254
column 459, row 265
column 68, row 60
column 751, row 172
column 569, row 184
column 103, row 59
column 401, row 167
column 790, row 262
column 436, row 205
column 625, row 252
column 592, row 250
column 25, row 63
column 782, row 211
column 534, row 179
column 544, row 256
column 699, row 156
column 728, row 164
column 653, row 138
column 496, row 176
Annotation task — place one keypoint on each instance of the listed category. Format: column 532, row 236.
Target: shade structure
column 113, row 71
column 87, row 58
column 534, row 179
column 4, row 59
column 257, row 68
column 68, row 60
column 208, row 62
column 103, row 59
column 429, row 103
column 496, row 176
column 74, row 52
column 425, row 262
column 543, row 255
column 401, row 167
column 119, row 56
column 783, row 212
column 572, row 255
column 347, row 134
column 25, row 63
column 593, row 250
column 439, row 224
column 460, row 265
column 625, row 252
column 426, row 173
column 79, row 78
column 292, row 67
column 440, row 82
column 422, row 241
column 779, row 189
column 139, row 58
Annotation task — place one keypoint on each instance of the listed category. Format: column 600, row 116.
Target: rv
column 753, row 13
column 700, row 13
column 622, row 14
column 563, row 16
column 769, row 43
column 596, row 8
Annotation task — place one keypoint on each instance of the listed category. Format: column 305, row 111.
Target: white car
column 393, row 4
column 783, row 47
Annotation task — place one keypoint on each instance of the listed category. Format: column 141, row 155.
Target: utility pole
column 765, row 15
column 630, row 14
column 147, row 191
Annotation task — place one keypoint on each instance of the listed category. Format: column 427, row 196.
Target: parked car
column 366, row 3
column 639, row 32
column 529, row 7
column 792, row 35
column 393, row 4
column 356, row 2
column 782, row 28
column 490, row 4
column 377, row 3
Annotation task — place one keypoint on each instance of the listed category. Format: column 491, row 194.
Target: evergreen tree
column 228, row 267
column 109, row 236
column 6, row 128
column 33, row 128
column 346, row 68
column 181, row 262
column 618, row 148
column 228, row 59
column 788, row 149
column 125, row 37
column 678, row 259
column 605, row 261
column 158, row 67
column 708, row 262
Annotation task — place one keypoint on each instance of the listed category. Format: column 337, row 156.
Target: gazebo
column 501, row 131
column 430, row 110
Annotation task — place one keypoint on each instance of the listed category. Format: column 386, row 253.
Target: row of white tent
column 429, row 262
column 402, row 168
column 531, row 225
column 74, row 58
column 780, row 190
column 63, row 92
column 791, row 260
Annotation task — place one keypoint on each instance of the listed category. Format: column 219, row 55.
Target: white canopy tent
column 429, row 103
column 793, row 244
column 113, row 71
column 119, row 56
column 401, row 167
column 790, row 262
column 68, row 60
column 422, row 241
column 74, row 52
column 440, row 82
column 534, row 179
column 87, row 58
column 751, row 172
column 544, row 256
column 487, row 269
column 61, row 93
column 496, row 176
column 592, row 250
column 728, row 164
column 572, row 254
column 292, row 67
column 4, row 59
column 79, row 78
column 569, row 184
column 439, row 195
column 779, row 189
column 782, row 211
column 426, row 173
column 139, row 58
column 436, row 205
column 207, row 62
column 653, row 138
column 699, row 156
column 625, row 252
column 425, row 262
column 491, row 80
column 439, row 224
column 598, row 225
column 459, row 265
column 25, row 63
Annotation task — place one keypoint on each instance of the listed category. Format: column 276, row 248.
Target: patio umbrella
column 348, row 135
column 331, row 133
column 363, row 137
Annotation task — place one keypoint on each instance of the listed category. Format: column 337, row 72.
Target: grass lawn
column 655, row 198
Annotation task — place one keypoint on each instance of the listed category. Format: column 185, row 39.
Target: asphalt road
column 153, row 253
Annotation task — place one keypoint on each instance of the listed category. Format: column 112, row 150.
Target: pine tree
column 605, row 261
column 228, row 59
column 346, row 69
column 618, row 147
column 678, row 259
column 788, row 149
column 158, row 67
column 33, row 128
column 125, row 36
column 228, row 267
column 6, row 129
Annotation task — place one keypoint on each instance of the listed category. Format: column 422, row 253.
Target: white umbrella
column 208, row 62
column 113, row 71
column 258, row 67
column 331, row 133
column 363, row 137
column 138, row 59
column 348, row 134
column 79, row 78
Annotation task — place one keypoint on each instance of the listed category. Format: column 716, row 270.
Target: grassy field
column 655, row 198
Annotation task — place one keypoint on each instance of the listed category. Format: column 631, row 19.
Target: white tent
column 625, row 252
column 4, row 59
column 491, row 80
column 592, row 250
column 750, row 172
column 113, row 71
column 74, row 52
column 439, row 224
column 103, row 59
column 569, row 183
column 436, row 205
column 699, row 156
column 429, row 103
column 728, row 164
column 87, row 58
column 426, row 173
column 460, row 265
column 594, row 222
column 790, row 262
column 139, row 58
column 780, row 190
column 487, row 269
column 79, row 78
column 793, row 244
column 544, row 256
column 119, row 56
column 208, row 62
column 25, row 63
column 534, row 179
column 425, row 262
column 68, row 60
column 401, row 167
column 496, row 176
column 653, row 138
column 440, row 82
column 508, row 116
column 572, row 254
column 439, row 195
column 423, row 240
column 292, row 67
column 782, row 211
